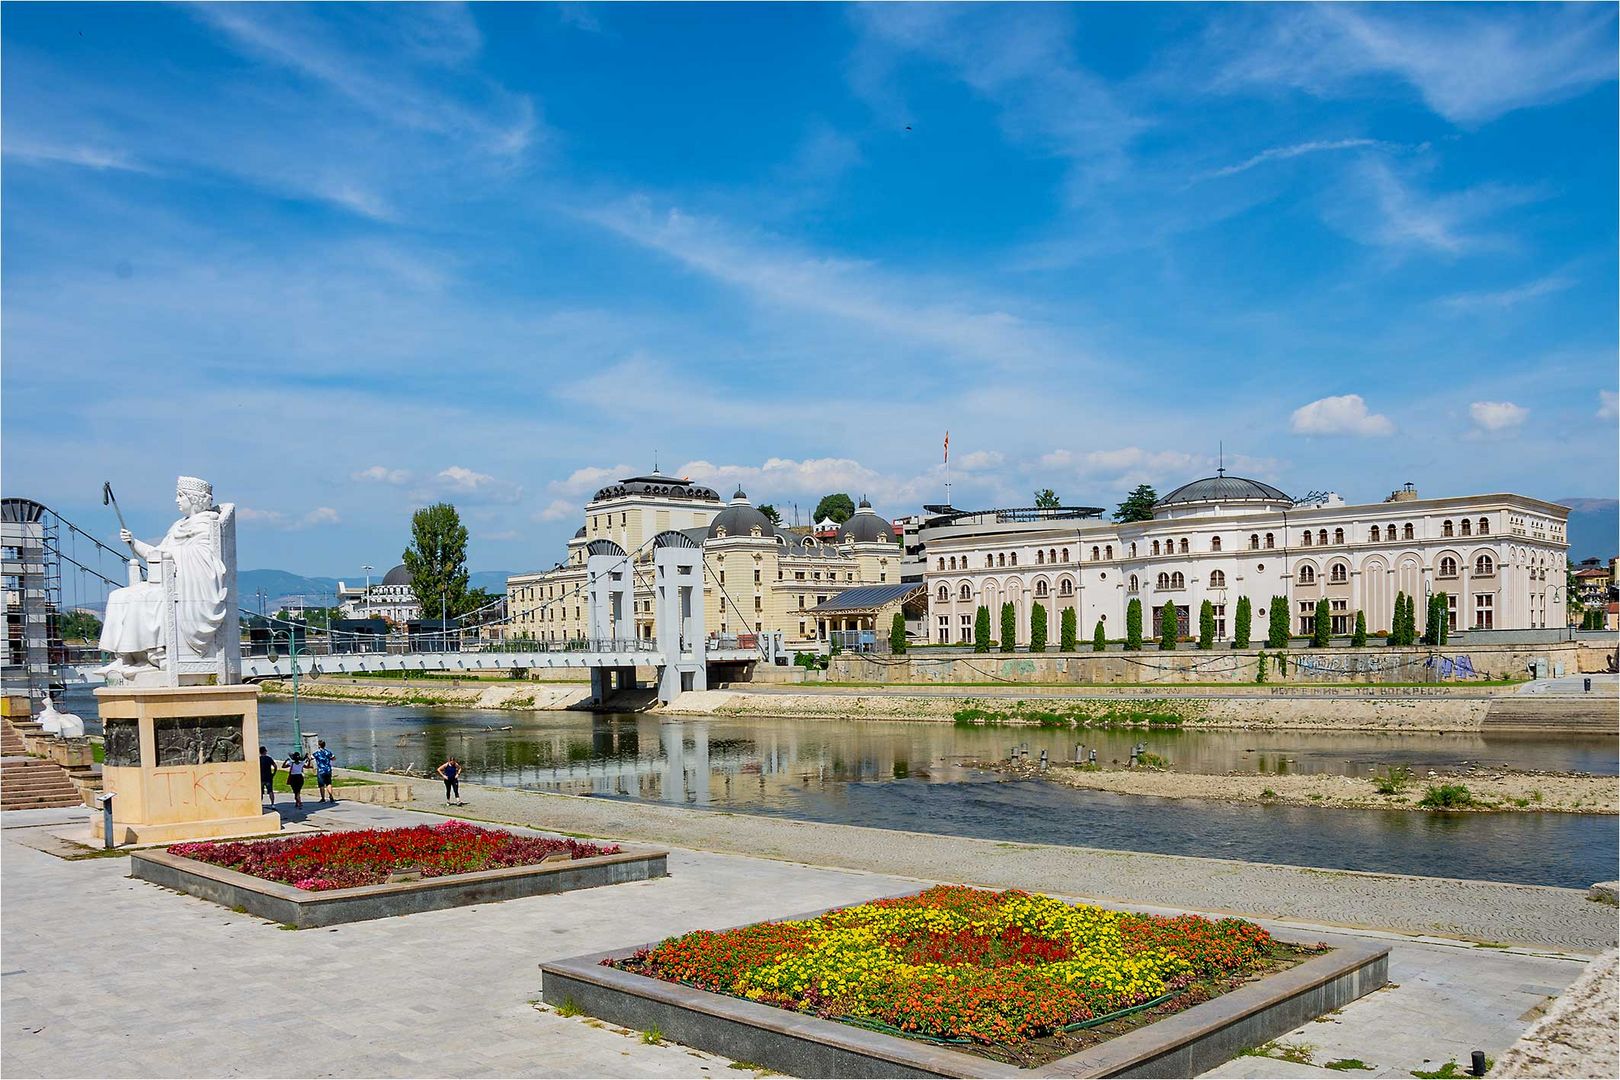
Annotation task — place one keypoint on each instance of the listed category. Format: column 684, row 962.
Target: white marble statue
column 64, row 725
column 193, row 554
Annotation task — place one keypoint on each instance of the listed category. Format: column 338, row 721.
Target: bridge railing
column 322, row 645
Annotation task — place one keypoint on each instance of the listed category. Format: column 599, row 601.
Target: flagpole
column 948, row 469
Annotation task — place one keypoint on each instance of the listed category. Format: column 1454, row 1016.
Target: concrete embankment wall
column 1382, row 664
column 471, row 696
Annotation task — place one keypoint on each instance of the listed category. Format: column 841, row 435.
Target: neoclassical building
column 1498, row 558
column 391, row 599
column 759, row 577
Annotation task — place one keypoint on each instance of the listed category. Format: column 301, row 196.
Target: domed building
column 759, row 576
column 1221, row 538
column 391, row 599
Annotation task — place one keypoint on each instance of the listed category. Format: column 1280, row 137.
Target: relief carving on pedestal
column 198, row 740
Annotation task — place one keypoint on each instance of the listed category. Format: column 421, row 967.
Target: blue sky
column 346, row 260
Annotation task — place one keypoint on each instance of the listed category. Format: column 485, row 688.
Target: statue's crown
column 191, row 485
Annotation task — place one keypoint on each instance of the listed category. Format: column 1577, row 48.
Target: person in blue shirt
column 323, row 773
column 450, row 773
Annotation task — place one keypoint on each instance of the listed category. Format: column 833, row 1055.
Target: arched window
column 1375, row 535
column 1001, row 559
column 942, row 562
column 1040, row 557
column 1096, row 553
column 1484, row 526
column 1271, row 541
column 990, row 560
column 1467, row 527
column 1133, row 549
column 1484, row 567
column 1406, row 531
column 1339, row 573
column 1051, row 555
column 1321, row 537
column 1338, row 536
column 1184, row 545
column 1013, row 559
column 953, row 563
column 1214, row 543
column 1217, row 579
column 1177, row 581
column 1040, row 588
column 1108, row 552
column 1164, row 581
column 1136, row 586
column 1155, row 547
column 1065, row 554
column 1065, row 587
column 1445, row 528
column 1390, row 529
column 1305, row 540
column 1254, row 541
column 1307, row 574
column 1448, row 567
column 966, row 592
column 944, row 593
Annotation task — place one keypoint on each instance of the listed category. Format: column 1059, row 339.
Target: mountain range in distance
column 283, row 588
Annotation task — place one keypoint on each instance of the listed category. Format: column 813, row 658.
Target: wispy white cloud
column 559, row 510
column 1608, row 405
column 980, row 461
column 1496, row 416
column 1346, row 414
column 782, row 480
column 460, row 482
column 1378, row 206
column 1284, row 153
column 589, row 478
column 382, row 474
column 276, row 519
column 1499, row 299
column 24, row 149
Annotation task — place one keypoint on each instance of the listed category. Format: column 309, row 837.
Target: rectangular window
column 759, row 604
column 1307, row 617
column 944, row 629
column 1220, row 620
column 1451, row 611
column 756, row 575
column 1484, row 611
column 966, row 629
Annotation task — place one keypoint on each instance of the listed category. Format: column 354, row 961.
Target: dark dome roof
column 866, row 527
column 741, row 518
column 580, row 535
column 659, row 485
column 397, row 576
column 1223, row 489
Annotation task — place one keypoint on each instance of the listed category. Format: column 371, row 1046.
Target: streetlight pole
column 292, row 653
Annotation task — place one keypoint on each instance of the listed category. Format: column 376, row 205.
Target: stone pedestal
column 183, row 762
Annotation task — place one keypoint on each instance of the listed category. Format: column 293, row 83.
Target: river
column 893, row 775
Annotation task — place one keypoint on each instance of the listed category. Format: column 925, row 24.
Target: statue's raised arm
column 179, row 619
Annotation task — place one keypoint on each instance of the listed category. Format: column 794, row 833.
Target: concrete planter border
column 303, row 909
column 1185, row 1044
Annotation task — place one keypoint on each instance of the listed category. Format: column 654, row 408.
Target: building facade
column 391, row 599
column 758, row 576
column 1500, row 560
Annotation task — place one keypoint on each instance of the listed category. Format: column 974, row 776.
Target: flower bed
column 355, row 857
column 987, row 972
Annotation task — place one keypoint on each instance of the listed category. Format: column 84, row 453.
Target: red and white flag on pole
column 947, row 446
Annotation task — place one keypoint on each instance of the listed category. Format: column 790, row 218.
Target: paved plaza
column 107, row 976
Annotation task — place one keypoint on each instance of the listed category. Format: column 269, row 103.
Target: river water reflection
column 913, row 776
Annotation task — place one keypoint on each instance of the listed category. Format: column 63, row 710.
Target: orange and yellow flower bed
column 971, row 966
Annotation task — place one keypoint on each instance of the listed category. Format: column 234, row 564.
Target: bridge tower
column 610, row 612
column 678, row 614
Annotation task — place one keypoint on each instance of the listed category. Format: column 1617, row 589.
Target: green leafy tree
column 1242, row 623
column 1359, row 638
column 1169, row 625
column 1009, row 628
column 78, row 626
column 1277, row 632
column 1047, row 499
column 1319, row 633
column 1037, row 628
column 1133, row 625
column 1099, row 639
column 897, row 634
column 838, row 506
column 1206, row 625
column 981, row 629
column 1138, row 505
column 1067, row 631
column 771, row 513
column 437, row 559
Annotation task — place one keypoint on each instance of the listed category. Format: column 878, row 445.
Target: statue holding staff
column 191, row 552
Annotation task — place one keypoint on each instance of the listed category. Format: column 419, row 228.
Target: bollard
column 1079, row 753
column 1588, row 686
column 1094, row 757
column 105, row 799
column 1477, row 1064
column 1043, row 759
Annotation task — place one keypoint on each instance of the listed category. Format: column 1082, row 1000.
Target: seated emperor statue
column 134, row 626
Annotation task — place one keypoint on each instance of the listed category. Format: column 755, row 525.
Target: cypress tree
column 1397, row 625
column 1009, row 628
column 1260, row 668
column 897, row 634
column 1037, row 628
column 1133, row 624
column 1067, row 631
column 1277, row 635
column 1442, row 618
column 1169, row 626
column 1359, row 638
column 1206, row 625
column 1242, row 625
column 981, row 630
column 1320, row 635
column 1099, row 640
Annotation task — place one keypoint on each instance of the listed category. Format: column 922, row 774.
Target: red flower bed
column 346, row 859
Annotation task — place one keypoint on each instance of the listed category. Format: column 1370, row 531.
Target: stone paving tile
column 183, row 987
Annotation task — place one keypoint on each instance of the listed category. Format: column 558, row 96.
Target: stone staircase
column 1587, row 714
column 30, row 783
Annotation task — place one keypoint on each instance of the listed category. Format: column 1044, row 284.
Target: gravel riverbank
column 1490, row 790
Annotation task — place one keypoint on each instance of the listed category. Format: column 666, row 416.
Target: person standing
column 295, row 776
column 323, row 773
column 267, row 775
column 449, row 773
